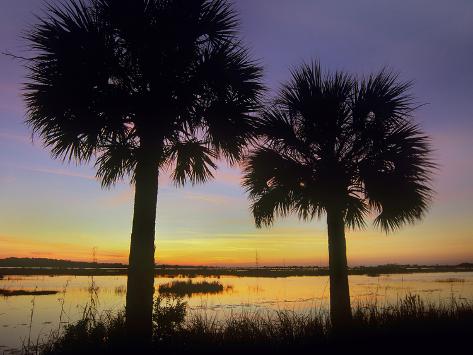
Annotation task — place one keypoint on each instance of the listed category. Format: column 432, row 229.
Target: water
column 34, row 317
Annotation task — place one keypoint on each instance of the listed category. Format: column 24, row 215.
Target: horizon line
column 246, row 265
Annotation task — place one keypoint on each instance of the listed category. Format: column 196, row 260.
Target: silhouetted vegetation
column 188, row 288
column 451, row 280
column 140, row 86
column 169, row 313
column 10, row 293
column 336, row 145
column 409, row 325
column 54, row 263
column 102, row 269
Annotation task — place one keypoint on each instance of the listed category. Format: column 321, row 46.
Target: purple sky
column 430, row 42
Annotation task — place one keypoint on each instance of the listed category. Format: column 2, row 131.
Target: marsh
column 304, row 294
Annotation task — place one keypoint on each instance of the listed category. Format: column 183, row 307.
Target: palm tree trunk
column 340, row 310
column 140, row 285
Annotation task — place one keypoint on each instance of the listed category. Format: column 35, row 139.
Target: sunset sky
column 55, row 210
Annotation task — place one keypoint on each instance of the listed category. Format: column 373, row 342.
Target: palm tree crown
column 333, row 142
column 118, row 79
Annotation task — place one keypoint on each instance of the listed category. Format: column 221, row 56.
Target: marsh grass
column 120, row 290
column 28, row 346
column 11, row 293
column 91, row 326
column 189, row 287
column 410, row 324
column 451, row 280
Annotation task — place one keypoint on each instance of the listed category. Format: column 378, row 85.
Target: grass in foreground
column 411, row 325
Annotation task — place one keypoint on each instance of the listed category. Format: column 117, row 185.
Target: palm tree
column 331, row 144
column 137, row 86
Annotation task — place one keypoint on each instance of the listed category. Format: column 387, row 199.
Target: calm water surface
column 300, row 294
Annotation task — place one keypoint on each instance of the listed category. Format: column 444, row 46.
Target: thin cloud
column 211, row 198
column 123, row 197
column 232, row 177
column 17, row 138
column 7, row 179
column 60, row 172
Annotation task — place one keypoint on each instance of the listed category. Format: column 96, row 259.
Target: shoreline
column 175, row 271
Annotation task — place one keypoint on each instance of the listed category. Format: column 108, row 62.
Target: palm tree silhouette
column 331, row 144
column 137, row 86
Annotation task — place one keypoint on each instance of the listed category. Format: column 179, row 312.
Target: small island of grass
column 9, row 293
column 188, row 288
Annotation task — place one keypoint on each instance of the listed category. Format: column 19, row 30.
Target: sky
column 55, row 210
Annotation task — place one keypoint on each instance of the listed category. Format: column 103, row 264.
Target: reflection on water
column 300, row 294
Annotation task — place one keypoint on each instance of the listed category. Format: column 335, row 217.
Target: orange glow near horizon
column 303, row 245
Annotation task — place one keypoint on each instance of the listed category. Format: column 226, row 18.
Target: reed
column 411, row 322
column 189, row 287
column 11, row 293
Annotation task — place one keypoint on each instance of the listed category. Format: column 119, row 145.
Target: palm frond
column 299, row 96
column 116, row 161
column 194, row 161
column 277, row 185
column 397, row 177
column 229, row 97
column 380, row 101
column 68, row 87
column 318, row 102
column 281, row 132
column 356, row 210
column 219, row 20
